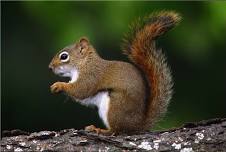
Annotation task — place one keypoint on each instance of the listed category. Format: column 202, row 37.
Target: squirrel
column 130, row 97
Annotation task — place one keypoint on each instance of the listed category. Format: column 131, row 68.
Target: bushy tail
column 140, row 47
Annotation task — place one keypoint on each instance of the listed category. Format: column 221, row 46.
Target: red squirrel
column 130, row 97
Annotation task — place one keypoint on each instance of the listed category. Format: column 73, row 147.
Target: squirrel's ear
column 84, row 43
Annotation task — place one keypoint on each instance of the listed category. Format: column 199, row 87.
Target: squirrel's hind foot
column 92, row 128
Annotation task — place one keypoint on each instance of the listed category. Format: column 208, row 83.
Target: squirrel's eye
column 64, row 57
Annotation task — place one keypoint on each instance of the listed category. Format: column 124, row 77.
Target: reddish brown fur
column 150, row 60
column 128, row 110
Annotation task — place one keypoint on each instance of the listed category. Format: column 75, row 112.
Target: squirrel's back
column 140, row 47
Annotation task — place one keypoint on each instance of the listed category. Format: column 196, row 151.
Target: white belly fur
column 101, row 100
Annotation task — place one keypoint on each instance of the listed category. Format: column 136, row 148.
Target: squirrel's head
column 71, row 59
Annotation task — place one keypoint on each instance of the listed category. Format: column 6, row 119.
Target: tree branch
column 207, row 135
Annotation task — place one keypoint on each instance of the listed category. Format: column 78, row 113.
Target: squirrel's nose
column 51, row 67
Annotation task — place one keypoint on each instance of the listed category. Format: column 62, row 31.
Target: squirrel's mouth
column 62, row 78
column 67, row 74
column 71, row 73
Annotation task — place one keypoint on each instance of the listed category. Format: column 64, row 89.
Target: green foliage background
column 32, row 32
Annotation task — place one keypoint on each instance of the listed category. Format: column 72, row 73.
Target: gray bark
column 207, row 135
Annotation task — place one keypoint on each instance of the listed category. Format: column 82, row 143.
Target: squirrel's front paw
column 57, row 87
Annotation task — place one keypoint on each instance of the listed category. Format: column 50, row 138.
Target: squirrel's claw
column 57, row 87
column 92, row 128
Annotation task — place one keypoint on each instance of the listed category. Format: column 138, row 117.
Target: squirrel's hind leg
column 92, row 128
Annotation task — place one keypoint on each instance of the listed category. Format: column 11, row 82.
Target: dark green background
column 32, row 32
